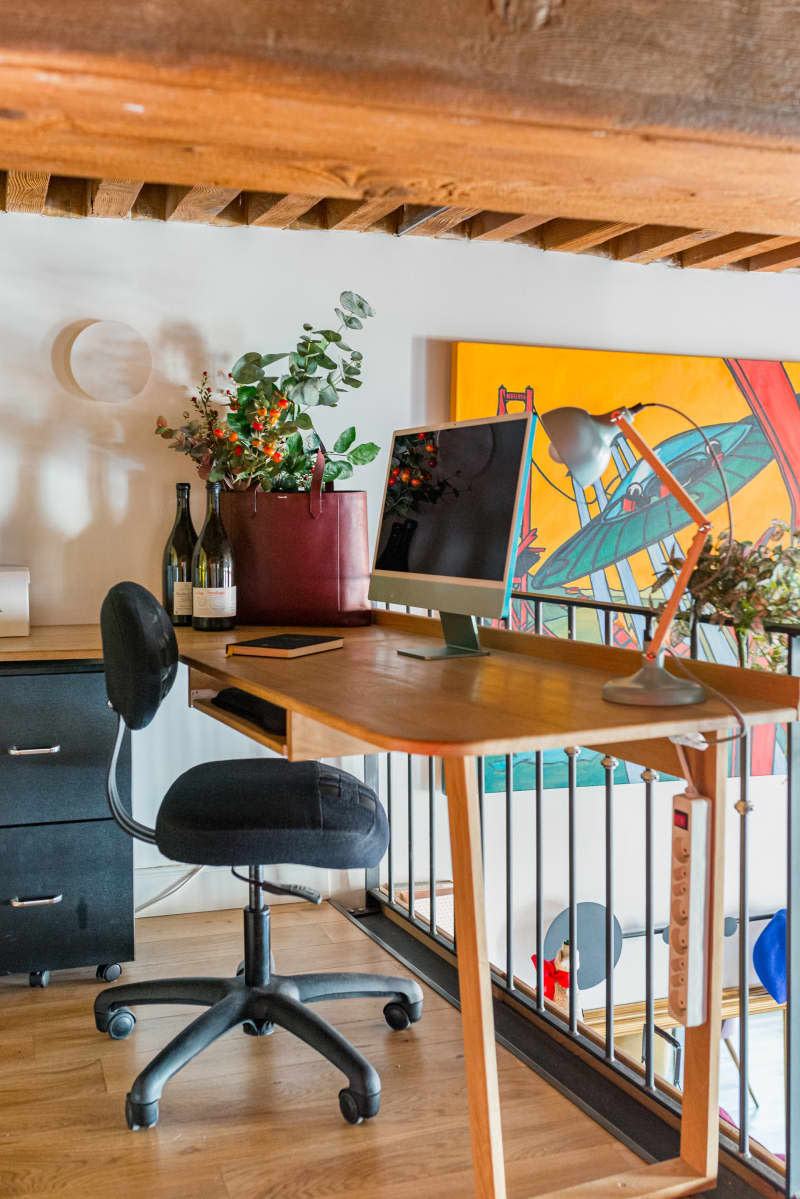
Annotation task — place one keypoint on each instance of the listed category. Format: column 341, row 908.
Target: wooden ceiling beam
column 360, row 215
column 200, row 204
column 576, row 236
column 26, row 191
column 777, row 260
column 734, row 247
column 500, row 226
column 114, row 197
column 68, row 197
column 646, row 130
column 275, row 211
column 421, row 221
column 653, row 242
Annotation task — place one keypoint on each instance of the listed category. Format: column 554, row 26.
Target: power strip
column 688, row 918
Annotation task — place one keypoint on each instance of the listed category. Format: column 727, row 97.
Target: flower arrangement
column 746, row 585
column 258, row 430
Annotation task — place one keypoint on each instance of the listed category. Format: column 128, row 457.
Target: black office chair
column 244, row 811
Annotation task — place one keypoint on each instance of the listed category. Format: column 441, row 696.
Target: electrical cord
column 717, row 462
column 740, row 720
column 170, row 890
column 555, row 486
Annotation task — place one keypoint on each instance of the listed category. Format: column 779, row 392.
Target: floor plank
column 257, row 1118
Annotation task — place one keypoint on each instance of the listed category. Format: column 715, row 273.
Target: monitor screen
column 450, row 515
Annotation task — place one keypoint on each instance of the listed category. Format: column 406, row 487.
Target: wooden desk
column 530, row 693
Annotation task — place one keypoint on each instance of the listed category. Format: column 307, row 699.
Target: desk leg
column 477, row 1018
column 700, row 1115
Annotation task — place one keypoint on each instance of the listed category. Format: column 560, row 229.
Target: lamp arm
column 698, row 516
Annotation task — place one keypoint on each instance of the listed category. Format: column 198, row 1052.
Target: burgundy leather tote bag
column 301, row 558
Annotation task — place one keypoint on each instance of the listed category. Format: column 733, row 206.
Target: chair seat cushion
column 263, row 811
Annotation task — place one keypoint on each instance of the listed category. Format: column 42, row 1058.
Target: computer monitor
column 450, row 524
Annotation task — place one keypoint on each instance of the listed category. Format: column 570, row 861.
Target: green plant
column 266, row 438
column 745, row 585
column 414, row 457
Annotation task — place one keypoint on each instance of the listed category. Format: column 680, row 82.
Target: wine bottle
column 213, row 571
column 177, row 565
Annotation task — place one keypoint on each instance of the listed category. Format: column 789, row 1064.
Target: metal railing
column 408, row 786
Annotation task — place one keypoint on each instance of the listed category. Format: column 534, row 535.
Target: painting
column 612, row 540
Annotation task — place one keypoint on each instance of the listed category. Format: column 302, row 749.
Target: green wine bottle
column 177, row 563
column 213, row 571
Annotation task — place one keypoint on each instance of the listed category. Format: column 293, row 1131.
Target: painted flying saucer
column 639, row 513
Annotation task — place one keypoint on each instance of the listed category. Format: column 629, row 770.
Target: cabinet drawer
column 90, row 865
column 39, row 711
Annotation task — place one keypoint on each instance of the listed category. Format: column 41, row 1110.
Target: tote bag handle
column 315, row 492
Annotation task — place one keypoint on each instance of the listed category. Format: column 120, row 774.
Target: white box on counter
column 14, row 607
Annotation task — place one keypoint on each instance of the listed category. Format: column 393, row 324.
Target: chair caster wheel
column 400, row 1016
column 258, row 1028
column 108, row 973
column 118, row 1023
column 140, row 1115
column 39, row 978
column 355, row 1107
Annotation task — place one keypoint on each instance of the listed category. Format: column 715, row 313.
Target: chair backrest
column 140, row 653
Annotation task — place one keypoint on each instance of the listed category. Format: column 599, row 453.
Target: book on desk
column 283, row 645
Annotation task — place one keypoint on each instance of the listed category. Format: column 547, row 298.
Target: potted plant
column 745, row 585
column 300, row 559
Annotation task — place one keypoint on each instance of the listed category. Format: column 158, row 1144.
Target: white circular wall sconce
column 109, row 361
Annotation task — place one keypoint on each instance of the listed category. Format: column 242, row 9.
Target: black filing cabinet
column 57, row 837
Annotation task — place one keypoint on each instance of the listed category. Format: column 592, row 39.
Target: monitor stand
column 460, row 636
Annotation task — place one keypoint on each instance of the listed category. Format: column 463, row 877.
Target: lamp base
column 653, row 686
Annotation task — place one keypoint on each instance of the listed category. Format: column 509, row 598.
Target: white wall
column 86, row 490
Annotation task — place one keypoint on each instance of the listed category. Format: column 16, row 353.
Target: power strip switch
column 688, row 918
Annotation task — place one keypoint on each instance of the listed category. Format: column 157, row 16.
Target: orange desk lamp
column 582, row 443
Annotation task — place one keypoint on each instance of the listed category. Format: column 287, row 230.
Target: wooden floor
column 253, row 1118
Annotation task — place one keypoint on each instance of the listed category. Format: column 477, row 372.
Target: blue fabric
column 769, row 957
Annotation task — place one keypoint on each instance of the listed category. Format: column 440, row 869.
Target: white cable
column 170, row 890
column 740, row 720
column 691, row 791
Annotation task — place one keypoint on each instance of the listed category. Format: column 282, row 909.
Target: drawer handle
column 45, row 749
column 35, row 901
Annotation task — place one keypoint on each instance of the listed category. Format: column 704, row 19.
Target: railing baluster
column 389, row 819
column 609, row 626
column 479, row 762
column 793, row 942
column 744, row 807
column 432, row 843
column 410, row 785
column 609, row 765
column 572, row 762
column 509, row 873
column 537, row 616
column 649, row 777
column 539, row 855
column 571, row 622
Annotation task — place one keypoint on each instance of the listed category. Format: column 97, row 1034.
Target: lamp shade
column 581, row 441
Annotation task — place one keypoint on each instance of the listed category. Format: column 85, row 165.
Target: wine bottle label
column 182, row 599
column 213, row 601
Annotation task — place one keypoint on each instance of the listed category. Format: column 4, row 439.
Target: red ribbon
column 552, row 976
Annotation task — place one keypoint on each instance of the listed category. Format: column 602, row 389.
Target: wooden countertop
column 529, row 693
column 54, row 643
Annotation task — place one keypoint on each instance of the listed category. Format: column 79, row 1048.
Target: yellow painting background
column 601, row 380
